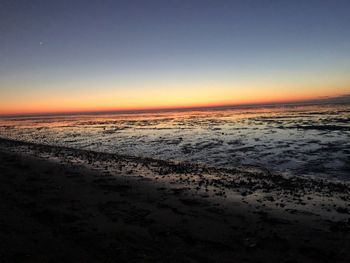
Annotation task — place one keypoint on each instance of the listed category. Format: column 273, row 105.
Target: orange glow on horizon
column 158, row 101
column 152, row 97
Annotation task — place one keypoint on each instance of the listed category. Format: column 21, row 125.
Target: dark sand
column 64, row 205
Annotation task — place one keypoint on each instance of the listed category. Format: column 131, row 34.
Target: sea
column 292, row 140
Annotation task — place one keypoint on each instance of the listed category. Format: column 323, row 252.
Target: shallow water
column 293, row 140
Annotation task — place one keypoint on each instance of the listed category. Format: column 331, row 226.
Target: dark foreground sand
column 64, row 205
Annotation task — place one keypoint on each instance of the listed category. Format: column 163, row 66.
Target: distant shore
column 65, row 205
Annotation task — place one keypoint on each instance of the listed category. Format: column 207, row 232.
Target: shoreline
column 131, row 209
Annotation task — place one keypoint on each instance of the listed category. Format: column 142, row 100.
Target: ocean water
column 292, row 140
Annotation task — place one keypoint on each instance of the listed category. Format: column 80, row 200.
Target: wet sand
column 64, row 205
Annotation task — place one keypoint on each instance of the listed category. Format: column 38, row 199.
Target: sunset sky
column 59, row 56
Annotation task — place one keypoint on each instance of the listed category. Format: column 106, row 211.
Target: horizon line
column 338, row 99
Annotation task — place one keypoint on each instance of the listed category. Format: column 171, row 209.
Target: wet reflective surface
column 293, row 140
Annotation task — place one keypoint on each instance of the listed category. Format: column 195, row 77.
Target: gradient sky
column 63, row 55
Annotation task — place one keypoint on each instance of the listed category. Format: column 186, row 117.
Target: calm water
column 294, row 140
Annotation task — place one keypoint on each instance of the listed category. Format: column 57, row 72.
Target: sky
column 61, row 56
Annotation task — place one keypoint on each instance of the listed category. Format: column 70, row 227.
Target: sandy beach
column 64, row 205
